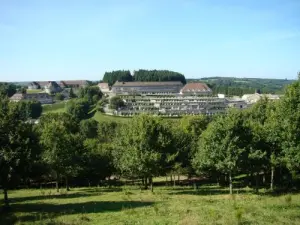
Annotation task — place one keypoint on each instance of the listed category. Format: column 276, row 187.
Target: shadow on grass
column 52, row 196
column 207, row 191
column 104, row 190
column 40, row 211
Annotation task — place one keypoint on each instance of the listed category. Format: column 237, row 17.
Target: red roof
column 195, row 87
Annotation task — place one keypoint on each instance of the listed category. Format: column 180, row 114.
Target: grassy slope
column 35, row 91
column 56, row 107
column 128, row 205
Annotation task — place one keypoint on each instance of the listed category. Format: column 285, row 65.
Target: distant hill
column 240, row 86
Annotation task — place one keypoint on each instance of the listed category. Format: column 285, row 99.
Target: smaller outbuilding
column 196, row 89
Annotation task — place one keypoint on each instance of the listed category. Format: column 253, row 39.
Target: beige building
column 147, row 88
column 43, row 98
column 196, row 89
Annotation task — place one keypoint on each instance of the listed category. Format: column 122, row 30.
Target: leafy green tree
column 17, row 143
column 289, row 111
column 30, row 109
column 7, row 89
column 158, row 75
column 116, row 102
column 89, row 128
column 142, row 148
column 79, row 109
column 223, row 144
column 90, row 93
column 62, row 148
column 119, row 75
column 59, row 96
column 72, row 94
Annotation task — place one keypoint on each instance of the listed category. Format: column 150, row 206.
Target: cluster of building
column 52, row 87
column 43, row 90
column 174, row 99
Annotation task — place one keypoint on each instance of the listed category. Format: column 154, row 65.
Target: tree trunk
column 67, row 184
column 230, row 183
column 6, row 202
column 264, row 178
column 272, row 178
column 57, row 184
column 146, row 183
column 174, row 181
column 151, row 183
column 256, row 182
column 171, row 178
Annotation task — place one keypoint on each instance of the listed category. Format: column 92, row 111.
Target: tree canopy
column 143, row 75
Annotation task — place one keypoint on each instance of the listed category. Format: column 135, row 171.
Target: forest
column 239, row 86
column 142, row 75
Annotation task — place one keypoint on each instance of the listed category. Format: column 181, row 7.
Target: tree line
column 260, row 144
column 142, row 75
column 240, row 86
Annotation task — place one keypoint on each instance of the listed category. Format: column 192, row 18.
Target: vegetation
column 128, row 205
column 7, row 89
column 119, row 75
column 143, row 75
column 244, row 150
column 116, row 102
column 240, row 86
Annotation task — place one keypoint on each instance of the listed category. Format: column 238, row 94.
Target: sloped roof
column 195, row 87
column 74, row 82
column 146, row 84
column 103, row 85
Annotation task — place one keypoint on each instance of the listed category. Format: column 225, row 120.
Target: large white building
column 147, row 88
column 43, row 98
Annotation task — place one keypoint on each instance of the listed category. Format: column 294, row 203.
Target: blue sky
column 76, row 39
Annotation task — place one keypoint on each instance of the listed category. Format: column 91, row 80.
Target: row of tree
column 143, row 75
column 262, row 144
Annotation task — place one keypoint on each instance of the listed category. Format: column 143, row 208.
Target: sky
column 76, row 39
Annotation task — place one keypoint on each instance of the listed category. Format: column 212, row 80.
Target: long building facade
column 162, row 88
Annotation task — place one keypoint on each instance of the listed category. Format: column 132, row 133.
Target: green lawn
column 56, row 107
column 167, row 205
column 35, row 91
column 100, row 117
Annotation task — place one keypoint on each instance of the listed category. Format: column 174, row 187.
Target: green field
column 100, row 117
column 56, row 107
column 166, row 205
column 35, row 91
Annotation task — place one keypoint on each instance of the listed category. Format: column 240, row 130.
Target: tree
column 289, row 112
column 222, row 145
column 17, row 142
column 7, row 89
column 116, row 102
column 89, row 128
column 119, row 75
column 142, row 148
column 79, row 108
column 59, row 96
column 62, row 147
column 90, row 93
column 158, row 75
column 72, row 94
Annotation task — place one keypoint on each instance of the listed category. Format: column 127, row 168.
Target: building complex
column 173, row 98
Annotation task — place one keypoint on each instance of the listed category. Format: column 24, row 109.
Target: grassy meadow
column 166, row 205
column 56, row 107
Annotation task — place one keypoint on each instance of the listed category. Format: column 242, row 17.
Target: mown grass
column 35, row 91
column 56, row 107
column 167, row 205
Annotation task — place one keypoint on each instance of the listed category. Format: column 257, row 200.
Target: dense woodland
column 143, row 75
column 240, row 86
column 261, row 144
